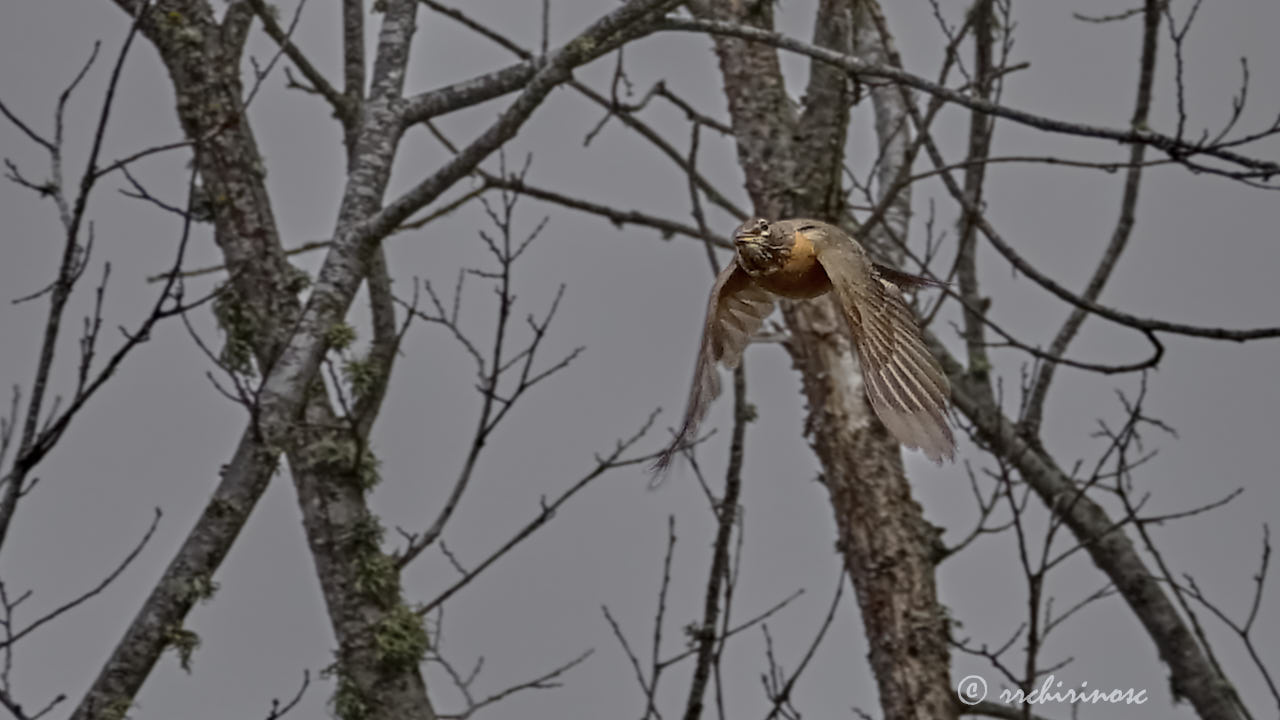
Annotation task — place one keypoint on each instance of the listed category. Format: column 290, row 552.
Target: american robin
column 801, row 258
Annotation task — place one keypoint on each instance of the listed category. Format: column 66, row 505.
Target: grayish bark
column 289, row 341
column 791, row 160
column 1193, row 674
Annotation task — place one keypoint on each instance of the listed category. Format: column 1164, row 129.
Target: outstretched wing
column 904, row 382
column 735, row 311
column 907, row 281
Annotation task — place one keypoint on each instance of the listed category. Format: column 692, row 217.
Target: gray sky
column 1204, row 251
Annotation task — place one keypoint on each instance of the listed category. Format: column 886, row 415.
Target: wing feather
column 735, row 311
column 904, row 382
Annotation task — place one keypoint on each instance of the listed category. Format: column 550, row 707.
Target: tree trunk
column 793, row 168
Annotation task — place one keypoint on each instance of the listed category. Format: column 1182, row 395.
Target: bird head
column 761, row 247
column 752, row 232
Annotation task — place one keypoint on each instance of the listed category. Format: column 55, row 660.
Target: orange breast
column 802, row 276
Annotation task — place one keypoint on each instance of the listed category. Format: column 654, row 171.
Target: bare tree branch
column 1178, row 149
column 1124, row 226
column 615, row 459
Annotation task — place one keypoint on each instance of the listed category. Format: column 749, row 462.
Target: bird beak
column 745, row 238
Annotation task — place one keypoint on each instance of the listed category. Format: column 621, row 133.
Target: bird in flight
column 801, row 258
